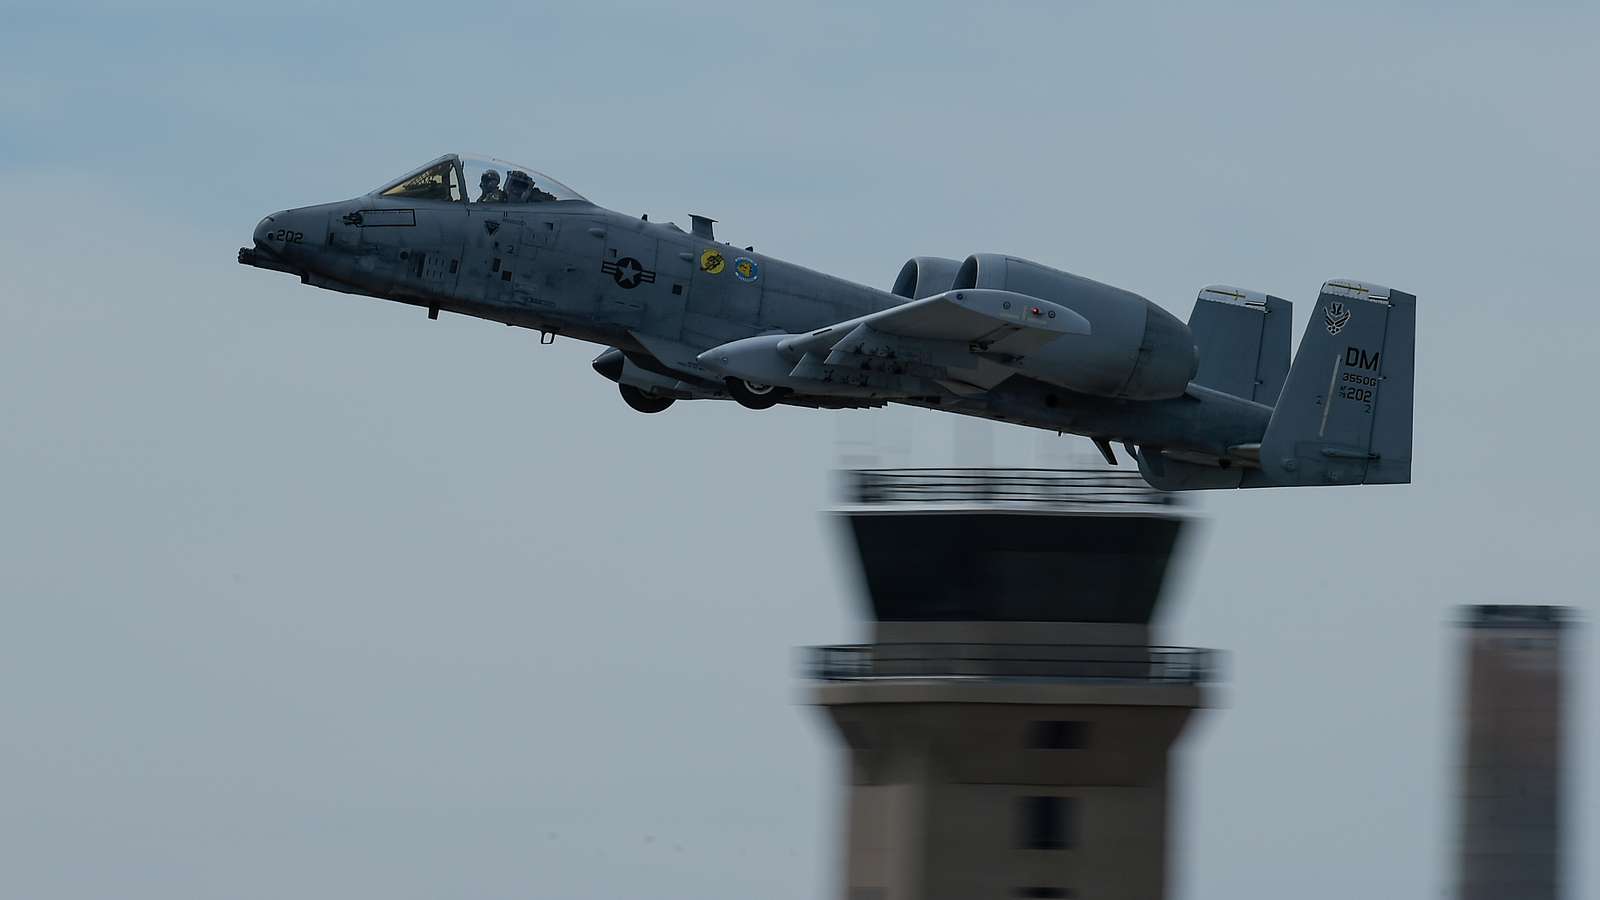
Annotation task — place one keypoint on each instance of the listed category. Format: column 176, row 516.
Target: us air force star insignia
column 1336, row 316
column 713, row 262
column 745, row 269
column 628, row 273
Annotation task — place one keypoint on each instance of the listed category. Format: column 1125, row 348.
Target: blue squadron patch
column 745, row 269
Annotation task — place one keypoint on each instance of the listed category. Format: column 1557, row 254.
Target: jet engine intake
column 925, row 276
column 1135, row 349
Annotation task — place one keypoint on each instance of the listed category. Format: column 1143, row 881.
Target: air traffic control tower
column 1008, row 727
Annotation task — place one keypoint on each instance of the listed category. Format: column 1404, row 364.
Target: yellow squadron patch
column 713, row 262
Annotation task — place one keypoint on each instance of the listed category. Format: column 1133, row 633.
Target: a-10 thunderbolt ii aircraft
column 1214, row 403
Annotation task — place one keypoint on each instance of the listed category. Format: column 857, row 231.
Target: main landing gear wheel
column 639, row 400
column 755, row 396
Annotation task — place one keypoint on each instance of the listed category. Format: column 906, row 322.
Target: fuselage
column 555, row 267
column 569, row 267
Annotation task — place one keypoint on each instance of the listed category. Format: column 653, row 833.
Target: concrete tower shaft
column 1512, row 756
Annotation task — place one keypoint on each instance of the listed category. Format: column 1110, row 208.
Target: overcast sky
column 304, row 595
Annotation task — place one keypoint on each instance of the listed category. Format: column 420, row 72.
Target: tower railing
column 1055, row 662
column 1044, row 488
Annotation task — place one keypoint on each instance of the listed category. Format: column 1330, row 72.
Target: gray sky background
column 305, row 595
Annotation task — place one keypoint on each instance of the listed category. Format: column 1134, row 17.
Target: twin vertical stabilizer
column 1341, row 413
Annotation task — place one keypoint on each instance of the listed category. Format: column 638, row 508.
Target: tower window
column 1047, row 823
column 1058, row 735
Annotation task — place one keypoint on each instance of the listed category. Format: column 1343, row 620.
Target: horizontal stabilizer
column 1168, row 470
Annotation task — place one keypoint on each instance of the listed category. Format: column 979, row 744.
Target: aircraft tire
column 755, row 396
column 639, row 400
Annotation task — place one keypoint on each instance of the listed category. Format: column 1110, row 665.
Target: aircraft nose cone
column 264, row 228
column 609, row 364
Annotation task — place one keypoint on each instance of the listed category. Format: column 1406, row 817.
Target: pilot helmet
column 489, row 178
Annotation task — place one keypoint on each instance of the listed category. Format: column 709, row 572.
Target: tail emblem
column 1336, row 316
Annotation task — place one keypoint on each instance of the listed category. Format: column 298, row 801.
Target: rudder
column 1344, row 416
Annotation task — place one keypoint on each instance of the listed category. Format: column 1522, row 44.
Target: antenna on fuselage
column 700, row 226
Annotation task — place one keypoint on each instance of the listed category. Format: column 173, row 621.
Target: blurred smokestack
column 1511, row 775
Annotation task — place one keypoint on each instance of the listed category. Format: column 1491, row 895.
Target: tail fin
column 1344, row 416
column 1243, row 338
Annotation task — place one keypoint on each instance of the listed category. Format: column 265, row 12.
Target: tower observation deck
column 1008, row 725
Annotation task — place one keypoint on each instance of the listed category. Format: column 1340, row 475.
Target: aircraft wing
column 961, row 339
column 998, row 322
column 968, row 341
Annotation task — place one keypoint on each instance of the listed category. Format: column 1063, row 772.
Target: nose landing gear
column 641, row 401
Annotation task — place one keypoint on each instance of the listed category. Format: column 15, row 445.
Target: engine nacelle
column 1136, row 351
column 925, row 276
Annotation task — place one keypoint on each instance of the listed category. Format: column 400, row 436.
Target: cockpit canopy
column 471, row 179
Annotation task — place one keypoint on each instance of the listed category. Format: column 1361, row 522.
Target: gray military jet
column 1214, row 403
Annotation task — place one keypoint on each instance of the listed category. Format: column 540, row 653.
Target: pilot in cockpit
column 518, row 184
column 489, row 185
column 521, row 189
